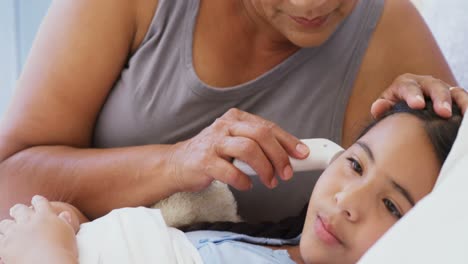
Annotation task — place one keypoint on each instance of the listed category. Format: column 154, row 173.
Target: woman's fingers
column 412, row 89
column 21, row 213
column 224, row 171
column 242, row 147
column 406, row 88
column 460, row 97
column 261, row 150
column 381, row 106
column 237, row 134
column 276, row 144
column 290, row 143
column 439, row 93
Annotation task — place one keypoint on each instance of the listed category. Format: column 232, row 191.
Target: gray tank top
column 160, row 99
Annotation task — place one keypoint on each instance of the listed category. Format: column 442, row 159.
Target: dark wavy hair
column 441, row 132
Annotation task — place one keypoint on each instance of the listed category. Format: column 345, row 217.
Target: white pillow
column 436, row 229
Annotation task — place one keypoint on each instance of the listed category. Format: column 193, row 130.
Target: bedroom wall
column 448, row 22
column 19, row 21
column 8, row 66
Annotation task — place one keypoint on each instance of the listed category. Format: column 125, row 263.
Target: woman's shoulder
column 404, row 43
column 126, row 18
column 136, row 15
column 152, row 16
column 401, row 43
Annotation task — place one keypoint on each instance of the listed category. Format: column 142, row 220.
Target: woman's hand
column 37, row 233
column 412, row 88
column 460, row 96
column 237, row 134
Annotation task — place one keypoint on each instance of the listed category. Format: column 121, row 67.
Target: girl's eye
column 392, row 208
column 355, row 165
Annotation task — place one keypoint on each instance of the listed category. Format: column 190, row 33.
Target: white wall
column 19, row 21
column 30, row 13
column 448, row 21
column 8, row 52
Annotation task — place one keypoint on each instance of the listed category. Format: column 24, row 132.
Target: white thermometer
column 322, row 153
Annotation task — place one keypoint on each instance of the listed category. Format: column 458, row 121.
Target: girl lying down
column 358, row 197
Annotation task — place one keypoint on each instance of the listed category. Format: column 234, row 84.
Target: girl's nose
column 352, row 203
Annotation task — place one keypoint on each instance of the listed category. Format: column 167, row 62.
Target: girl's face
column 305, row 23
column 367, row 189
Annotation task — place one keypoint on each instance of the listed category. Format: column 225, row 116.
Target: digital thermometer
column 322, row 153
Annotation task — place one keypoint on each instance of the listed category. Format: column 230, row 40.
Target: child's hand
column 37, row 234
column 77, row 217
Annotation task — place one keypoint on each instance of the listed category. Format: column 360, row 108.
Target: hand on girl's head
column 413, row 88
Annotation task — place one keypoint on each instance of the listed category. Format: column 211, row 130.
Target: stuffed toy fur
column 215, row 203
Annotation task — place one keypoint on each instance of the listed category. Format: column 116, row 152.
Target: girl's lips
column 311, row 23
column 325, row 232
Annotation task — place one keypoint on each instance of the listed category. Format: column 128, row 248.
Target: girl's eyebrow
column 366, row 148
column 395, row 185
column 403, row 191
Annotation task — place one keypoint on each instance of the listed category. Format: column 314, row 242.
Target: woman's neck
column 231, row 46
column 247, row 21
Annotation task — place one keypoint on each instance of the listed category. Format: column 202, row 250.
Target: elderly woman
column 123, row 103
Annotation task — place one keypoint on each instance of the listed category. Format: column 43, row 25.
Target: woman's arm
column 79, row 53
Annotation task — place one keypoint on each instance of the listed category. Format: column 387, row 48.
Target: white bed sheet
column 133, row 236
